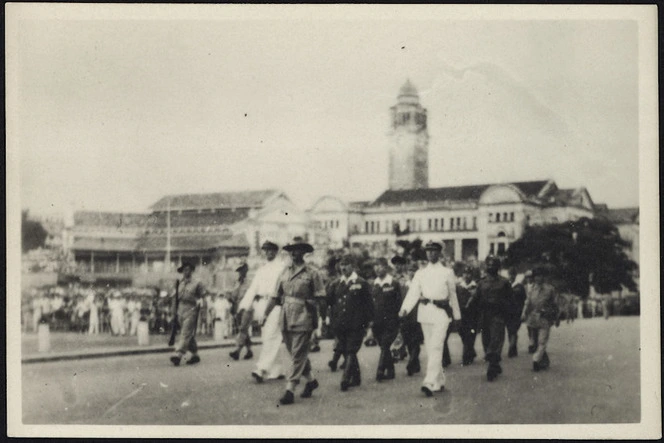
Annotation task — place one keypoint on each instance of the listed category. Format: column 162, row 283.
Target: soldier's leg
column 486, row 337
column 388, row 363
column 532, row 339
column 497, row 339
column 336, row 353
column 187, row 332
column 434, row 335
column 542, row 341
column 378, row 334
column 299, row 351
column 512, row 333
column 354, row 345
column 447, row 360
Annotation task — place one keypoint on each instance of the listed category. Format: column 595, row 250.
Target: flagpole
column 168, row 236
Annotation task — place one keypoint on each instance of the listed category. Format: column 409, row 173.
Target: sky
column 115, row 113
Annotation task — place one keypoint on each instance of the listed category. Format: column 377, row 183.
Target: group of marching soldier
column 413, row 303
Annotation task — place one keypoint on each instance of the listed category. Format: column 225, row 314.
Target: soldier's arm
column 412, row 296
column 454, row 301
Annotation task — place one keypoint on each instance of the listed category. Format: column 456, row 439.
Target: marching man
column 262, row 288
column 434, row 286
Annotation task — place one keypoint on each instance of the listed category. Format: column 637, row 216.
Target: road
column 594, row 378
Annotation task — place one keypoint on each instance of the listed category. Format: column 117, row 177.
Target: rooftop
column 218, row 200
column 454, row 193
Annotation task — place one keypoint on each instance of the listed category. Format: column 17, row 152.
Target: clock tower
column 409, row 141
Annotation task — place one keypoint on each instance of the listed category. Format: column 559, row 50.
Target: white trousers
column 434, row 336
column 271, row 337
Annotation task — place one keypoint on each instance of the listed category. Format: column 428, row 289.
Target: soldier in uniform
column 299, row 291
column 398, row 348
column 466, row 288
column 514, row 317
column 387, row 301
column 190, row 294
column 494, row 295
column 539, row 313
column 410, row 329
column 435, row 288
column 245, row 316
column 353, row 313
column 331, row 293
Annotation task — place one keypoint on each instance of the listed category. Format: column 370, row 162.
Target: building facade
column 209, row 229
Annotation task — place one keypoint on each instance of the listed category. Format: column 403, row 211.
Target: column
column 457, row 249
column 92, row 262
column 117, row 263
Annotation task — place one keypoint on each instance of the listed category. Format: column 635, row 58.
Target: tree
column 33, row 234
column 577, row 251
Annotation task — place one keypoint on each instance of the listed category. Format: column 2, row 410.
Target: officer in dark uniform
column 411, row 330
column 514, row 316
column 331, row 293
column 398, row 348
column 469, row 315
column 387, row 301
column 353, row 312
column 494, row 294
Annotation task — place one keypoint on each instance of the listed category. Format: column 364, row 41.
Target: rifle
column 175, row 325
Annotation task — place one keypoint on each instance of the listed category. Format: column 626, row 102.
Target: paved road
column 594, row 378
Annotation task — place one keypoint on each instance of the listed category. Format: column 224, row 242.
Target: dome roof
column 408, row 90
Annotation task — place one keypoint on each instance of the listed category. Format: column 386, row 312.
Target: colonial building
column 471, row 221
column 206, row 228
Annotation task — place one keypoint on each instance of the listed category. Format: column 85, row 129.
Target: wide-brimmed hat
column 242, row 268
column 433, row 246
column 269, row 245
column 298, row 243
column 398, row 260
column 186, row 263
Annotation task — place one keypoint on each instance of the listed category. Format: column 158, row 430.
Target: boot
column 248, row 355
column 287, row 399
column 235, row 355
column 309, row 388
column 389, row 374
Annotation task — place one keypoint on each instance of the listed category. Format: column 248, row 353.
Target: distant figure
column 116, row 307
column 93, row 305
column 539, row 313
column 222, row 314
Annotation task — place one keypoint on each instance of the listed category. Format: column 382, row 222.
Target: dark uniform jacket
column 351, row 304
column 494, row 296
column 468, row 305
column 387, row 301
column 518, row 300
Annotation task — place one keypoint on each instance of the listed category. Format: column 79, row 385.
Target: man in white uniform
column 434, row 286
column 262, row 287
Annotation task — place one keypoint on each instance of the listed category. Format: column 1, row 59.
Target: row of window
column 419, row 225
column 498, row 217
column 327, row 224
column 404, row 117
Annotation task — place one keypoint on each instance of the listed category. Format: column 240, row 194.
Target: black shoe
column 427, row 391
column 333, row 365
column 315, row 348
column 193, row 360
column 409, row 371
column 343, row 365
column 258, row 377
column 235, row 355
column 536, row 366
column 491, row 376
column 287, row 399
column 248, row 355
column 175, row 360
column 344, row 385
column 309, row 388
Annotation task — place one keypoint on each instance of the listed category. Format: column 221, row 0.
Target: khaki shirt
column 540, row 298
column 190, row 291
column 297, row 288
